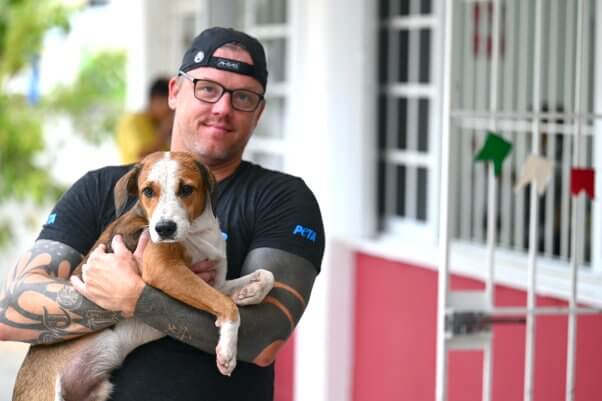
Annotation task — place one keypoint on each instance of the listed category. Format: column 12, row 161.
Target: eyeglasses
column 211, row 92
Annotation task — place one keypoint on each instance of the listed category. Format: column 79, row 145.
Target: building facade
column 360, row 98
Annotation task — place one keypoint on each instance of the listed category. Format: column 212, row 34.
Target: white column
column 331, row 141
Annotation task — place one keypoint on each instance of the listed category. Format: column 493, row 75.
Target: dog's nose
column 166, row 228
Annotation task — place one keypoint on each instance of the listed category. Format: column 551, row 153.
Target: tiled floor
column 11, row 355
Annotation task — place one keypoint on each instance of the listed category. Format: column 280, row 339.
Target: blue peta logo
column 306, row 233
column 51, row 219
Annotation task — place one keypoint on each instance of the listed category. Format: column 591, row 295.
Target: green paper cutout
column 496, row 149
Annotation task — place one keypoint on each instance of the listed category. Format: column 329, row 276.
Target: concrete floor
column 11, row 355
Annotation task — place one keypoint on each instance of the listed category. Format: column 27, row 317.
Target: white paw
column 226, row 357
column 261, row 283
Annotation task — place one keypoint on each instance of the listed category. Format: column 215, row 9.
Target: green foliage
column 23, row 24
column 20, row 141
column 93, row 101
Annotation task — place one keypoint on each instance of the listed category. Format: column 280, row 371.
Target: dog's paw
column 226, row 358
column 260, row 284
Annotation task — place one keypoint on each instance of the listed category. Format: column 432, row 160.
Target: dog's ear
column 209, row 179
column 126, row 186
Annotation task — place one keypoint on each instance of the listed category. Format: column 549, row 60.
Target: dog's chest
column 205, row 241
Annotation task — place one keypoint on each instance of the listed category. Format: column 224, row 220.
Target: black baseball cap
column 207, row 42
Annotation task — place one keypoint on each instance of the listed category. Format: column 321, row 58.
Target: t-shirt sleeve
column 289, row 218
column 74, row 219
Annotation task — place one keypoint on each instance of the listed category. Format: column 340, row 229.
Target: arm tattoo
column 264, row 328
column 38, row 304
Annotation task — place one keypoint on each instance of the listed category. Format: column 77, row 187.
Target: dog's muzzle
column 166, row 229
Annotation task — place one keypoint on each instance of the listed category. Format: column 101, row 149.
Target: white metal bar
column 413, row 22
column 409, row 158
column 481, row 103
column 568, row 102
column 520, row 143
column 508, row 105
column 575, row 232
column 552, row 84
column 457, row 113
column 504, row 311
column 443, row 277
column 467, row 165
column 409, row 90
column 521, row 127
column 534, row 211
column 492, row 200
column 584, row 106
column 596, row 235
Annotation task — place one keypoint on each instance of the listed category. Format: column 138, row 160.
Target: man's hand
column 205, row 269
column 112, row 280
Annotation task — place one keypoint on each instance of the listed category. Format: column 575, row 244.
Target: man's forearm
column 263, row 327
column 61, row 313
column 39, row 306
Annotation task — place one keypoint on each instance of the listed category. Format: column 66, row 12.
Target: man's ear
column 126, row 186
column 209, row 179
column 174, row 88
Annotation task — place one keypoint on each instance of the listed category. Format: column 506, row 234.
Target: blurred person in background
column 271, row 220
column 147, row 131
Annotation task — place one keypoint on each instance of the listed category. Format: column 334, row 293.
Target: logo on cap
column 228, row 65
column 199, row 57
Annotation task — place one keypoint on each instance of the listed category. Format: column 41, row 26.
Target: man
column 271, row 221
column 147, row 131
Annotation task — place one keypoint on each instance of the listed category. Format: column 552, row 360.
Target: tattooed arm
column 38, row 305
column 264, row 328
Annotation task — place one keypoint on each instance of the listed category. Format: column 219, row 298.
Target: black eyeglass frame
column 224, row 90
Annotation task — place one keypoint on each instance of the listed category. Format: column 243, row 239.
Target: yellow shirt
column 136, row 136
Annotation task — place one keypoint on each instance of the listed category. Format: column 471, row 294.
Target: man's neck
column 224, row 170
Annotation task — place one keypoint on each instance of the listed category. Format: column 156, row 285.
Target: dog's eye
column 148, row 192
column 186, row 190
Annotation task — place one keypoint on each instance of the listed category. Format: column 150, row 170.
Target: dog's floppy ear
column 210, row 182
column 126, row 186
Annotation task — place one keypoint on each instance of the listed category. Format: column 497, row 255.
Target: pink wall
column 395, row 328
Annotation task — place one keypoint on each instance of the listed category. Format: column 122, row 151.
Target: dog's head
column 173, row 189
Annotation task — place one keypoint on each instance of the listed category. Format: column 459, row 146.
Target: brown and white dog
column 174, row 203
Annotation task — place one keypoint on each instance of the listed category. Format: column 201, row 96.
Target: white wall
column 331, row 145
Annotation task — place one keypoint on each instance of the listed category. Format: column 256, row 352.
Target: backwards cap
column 207, row 42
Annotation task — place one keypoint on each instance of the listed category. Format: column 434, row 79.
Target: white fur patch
column 165, row 174
column 227, row 346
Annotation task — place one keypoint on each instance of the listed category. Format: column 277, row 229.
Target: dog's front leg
column 164, row 268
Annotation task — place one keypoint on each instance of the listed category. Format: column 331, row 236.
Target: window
column 406, row 114
column 556, row 107
column 268, row 21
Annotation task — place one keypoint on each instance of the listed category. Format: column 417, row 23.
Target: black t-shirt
column 256, row 208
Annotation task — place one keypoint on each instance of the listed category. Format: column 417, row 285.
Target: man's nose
column 224, row 105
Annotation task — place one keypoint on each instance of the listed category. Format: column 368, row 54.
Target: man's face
column 214, row 132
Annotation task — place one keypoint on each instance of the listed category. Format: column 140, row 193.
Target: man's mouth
column 218, row 127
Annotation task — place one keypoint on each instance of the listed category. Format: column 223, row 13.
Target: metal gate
column 504, row 71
